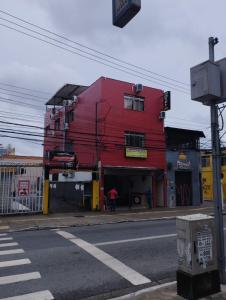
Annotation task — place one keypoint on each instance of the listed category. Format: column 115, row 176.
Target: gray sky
column 166, row 37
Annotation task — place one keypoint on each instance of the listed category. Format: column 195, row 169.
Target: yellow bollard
column 46, row 197
column 96, row 195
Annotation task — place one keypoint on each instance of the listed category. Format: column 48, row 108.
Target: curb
column 36, row 228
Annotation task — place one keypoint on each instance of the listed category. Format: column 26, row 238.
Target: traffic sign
column 124, row 10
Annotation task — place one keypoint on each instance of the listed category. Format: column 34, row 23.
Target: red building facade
column 116, row 131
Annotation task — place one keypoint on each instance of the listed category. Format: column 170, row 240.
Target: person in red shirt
column 113, row 195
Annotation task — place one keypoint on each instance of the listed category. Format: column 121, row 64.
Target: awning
column 66, row 93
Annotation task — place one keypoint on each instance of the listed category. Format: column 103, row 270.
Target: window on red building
column 69, row 116
column 57, row 124
column 134, row 103
column 134, row 139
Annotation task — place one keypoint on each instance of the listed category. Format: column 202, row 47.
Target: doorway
column 183, row 180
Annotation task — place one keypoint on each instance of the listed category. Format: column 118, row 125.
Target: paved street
column 95, row 262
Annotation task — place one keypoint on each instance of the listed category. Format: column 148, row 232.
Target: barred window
column 134, row 139
column 134, row 103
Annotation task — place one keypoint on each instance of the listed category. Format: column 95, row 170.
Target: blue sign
column 124, row 11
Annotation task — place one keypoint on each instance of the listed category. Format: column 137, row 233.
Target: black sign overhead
column 124, row 10
column 167, row 100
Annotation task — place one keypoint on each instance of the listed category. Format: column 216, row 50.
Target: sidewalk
column 168, row 293
column 38, row 222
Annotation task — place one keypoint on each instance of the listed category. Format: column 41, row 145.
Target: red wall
column 112, row 120
column 115, row 119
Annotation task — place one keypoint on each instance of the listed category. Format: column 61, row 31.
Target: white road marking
column 136, row 240
column 148, row 290
column 8, row 245
column 43, row 295
column 19, row 278
column 6, row 239
column 126, row 272
column 4, row 227
column 3, row 234
column 8, row 252
column 12, row 263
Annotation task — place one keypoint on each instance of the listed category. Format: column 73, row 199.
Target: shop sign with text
column 136, row 152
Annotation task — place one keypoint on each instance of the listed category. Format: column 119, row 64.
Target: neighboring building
column 6, row 150
column 21, row 184
column 183, row 167
column 207, row 174
column 117, row 133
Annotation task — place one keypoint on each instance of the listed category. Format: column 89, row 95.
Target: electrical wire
column 91, row 49
column 121, row 68
column 23, row 88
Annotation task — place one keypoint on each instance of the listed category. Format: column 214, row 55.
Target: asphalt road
column 96, row 262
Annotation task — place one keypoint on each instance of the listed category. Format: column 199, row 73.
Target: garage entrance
column 132, row 186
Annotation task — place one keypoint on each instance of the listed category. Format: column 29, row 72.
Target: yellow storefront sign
column 135, row 152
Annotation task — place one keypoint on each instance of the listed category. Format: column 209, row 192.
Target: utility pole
column 216, row 162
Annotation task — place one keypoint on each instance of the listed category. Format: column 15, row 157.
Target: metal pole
column 216, row 162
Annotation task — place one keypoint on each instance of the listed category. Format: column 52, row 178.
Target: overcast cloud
column 166, row 37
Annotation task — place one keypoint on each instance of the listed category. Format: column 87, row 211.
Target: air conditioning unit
column 138, row 88
column 70, row 102
column 162, row 115
column 75, row 99
column 66, row 126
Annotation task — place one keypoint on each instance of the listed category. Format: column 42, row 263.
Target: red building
column 116, row 130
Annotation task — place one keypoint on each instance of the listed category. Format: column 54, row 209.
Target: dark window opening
column 57, row 124
column 55, row 177
column 133, row 103
column 205, row 161
column 223, row 160
column 22, row 171
column 69, row 116
column 134, row 139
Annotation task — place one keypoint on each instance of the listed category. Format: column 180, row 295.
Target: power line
column 24, row 94
column 28, row 105
column 23, row 88
column 93, row 50
column 121, row 68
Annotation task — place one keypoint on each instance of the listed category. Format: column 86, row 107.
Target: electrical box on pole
column 124, row 10
column 205, row 83
column 222, row 65
column 208, row 81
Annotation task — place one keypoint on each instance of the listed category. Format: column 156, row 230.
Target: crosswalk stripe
column 3, row 234
column 123, row 270
column 43, row 295
column 6, row 239
column 8, row 252
column 12, row 263
column 4, row 227
column 8, row 245
column 19, row 277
